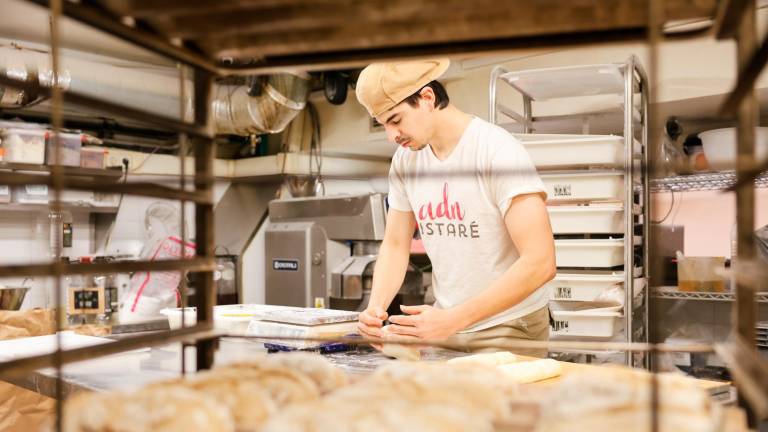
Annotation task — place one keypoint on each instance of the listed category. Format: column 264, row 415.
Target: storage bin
column 591, row 219
column 5, row 194
column 23, row 145
column 585, row 186
column 590, row 320
column 83, row 198
column 71, row 145
column 93, row 157
column 101, row 199
column 582, row 287
column 589, row 253
column 554, row 150
column 30, row 194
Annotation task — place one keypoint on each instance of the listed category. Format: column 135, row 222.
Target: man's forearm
column 524, row 277
column 388, row 275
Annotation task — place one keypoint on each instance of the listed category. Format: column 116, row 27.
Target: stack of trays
column 307, row 323
column 761, row 335
column 585, row 183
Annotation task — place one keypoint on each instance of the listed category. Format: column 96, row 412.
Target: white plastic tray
column 592, row 219
column 589, row 186
column 588, row 80
column 589, row 253
column 582, row 287
column 551, row 150
column 574, row 319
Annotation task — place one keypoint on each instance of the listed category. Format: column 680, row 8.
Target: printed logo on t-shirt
column 446, row 219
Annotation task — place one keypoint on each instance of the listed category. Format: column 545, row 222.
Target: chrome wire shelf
column 668, row 292
column 701, row 182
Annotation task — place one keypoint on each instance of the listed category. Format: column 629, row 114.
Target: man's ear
column 428, row 96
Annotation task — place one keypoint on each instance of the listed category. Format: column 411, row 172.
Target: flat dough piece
column 486, row 359
column 532, row 371
column 398, row 351
column 401, row 352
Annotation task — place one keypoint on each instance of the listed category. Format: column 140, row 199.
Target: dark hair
column 441, row 96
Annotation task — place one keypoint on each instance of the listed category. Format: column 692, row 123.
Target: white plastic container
column 590, row 320
column 93, row 157
column 231, row 318
column 582, row 287
column 591, row 219
column 552, row 150
column 30, row 194
column 70, row 145
column 720, row 147
column 585, row 186
column 589, row 253
column 23, row 145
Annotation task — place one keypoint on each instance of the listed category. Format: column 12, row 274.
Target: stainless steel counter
column 134, row 369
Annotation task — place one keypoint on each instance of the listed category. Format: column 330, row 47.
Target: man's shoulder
column 493, row 136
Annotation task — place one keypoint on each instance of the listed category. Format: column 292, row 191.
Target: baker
column 471, row 190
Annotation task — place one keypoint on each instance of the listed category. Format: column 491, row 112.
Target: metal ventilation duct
column 155, row 89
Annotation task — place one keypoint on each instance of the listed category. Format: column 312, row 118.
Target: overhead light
column 687, row 25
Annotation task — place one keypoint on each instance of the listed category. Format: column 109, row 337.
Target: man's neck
column 450, row 126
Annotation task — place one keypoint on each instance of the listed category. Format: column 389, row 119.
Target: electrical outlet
column 115, row 160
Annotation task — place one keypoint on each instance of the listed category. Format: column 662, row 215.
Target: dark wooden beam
column 729, row 13
column 431, row 22
column 746, row 80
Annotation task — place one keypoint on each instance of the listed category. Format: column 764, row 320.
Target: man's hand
column 370, row 322
column 425, row 322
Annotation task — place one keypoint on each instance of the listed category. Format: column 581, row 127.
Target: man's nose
column 392, row 134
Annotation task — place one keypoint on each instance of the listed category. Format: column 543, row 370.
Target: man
column 473, row 193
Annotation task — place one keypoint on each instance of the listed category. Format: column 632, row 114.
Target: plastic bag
column 150, row 292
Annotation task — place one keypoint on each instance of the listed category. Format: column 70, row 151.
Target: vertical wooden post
column 204, row 154
column 745, row 308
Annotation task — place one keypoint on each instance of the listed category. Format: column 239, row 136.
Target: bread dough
column 325, row 375
column 283, row 385
column 398, row 351
column 246, row 399
column 487, row 359
column 531, row 371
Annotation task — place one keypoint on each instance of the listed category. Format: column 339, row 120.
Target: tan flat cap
column 381, row 86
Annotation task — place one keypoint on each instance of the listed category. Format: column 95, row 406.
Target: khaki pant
column 534, row 326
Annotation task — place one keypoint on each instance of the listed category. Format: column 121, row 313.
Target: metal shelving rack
column 702, row 182
column 632, row 85
column 567, row 29
column 201, row 136
column 669, row 292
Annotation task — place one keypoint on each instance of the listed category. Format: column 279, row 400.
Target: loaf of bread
column 325, row 375
column 620, row 398
column 173, row 409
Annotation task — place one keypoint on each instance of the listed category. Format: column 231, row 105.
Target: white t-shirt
column 459, row 205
